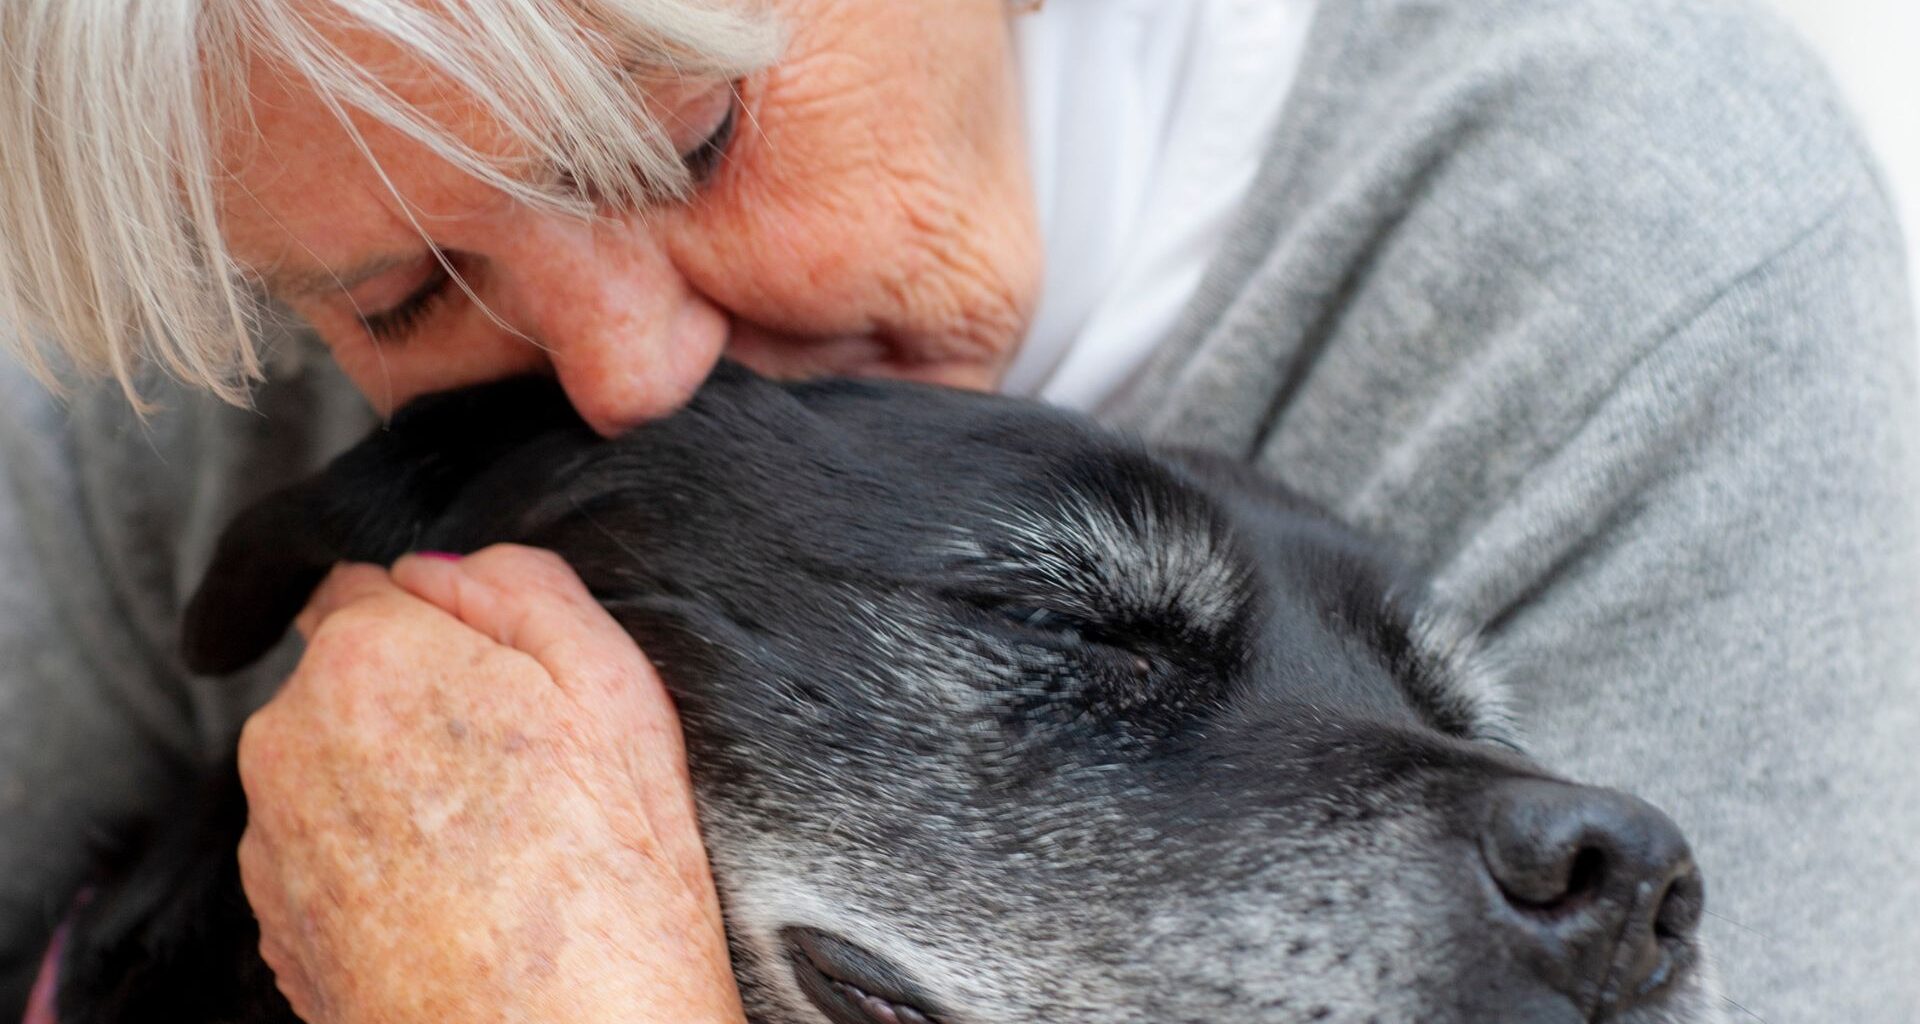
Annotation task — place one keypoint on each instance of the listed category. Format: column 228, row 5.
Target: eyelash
column 703, row 161
column 397, row 323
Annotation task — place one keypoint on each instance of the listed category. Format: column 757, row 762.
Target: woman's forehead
column 307, row 199
column 305, row 204
column 299, row 186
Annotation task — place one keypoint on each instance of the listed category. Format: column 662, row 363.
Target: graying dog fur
column 1061, row 728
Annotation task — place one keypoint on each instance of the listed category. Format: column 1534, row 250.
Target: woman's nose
column 629, row 339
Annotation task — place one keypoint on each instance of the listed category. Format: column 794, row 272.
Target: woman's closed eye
column 403, row 318
column 703, row 160
column 399, row 321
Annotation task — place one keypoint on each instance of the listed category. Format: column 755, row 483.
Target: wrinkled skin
column 871, row 216
column 399, row 835
column 999, row 716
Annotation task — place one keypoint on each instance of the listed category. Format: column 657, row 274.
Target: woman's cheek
column 819, row 219
column 870, row 195
column 792, row 251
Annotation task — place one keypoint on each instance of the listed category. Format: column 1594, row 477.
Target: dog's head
column 997, row 717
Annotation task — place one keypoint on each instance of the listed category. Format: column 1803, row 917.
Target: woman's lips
column 792, row 357
column 877, row 354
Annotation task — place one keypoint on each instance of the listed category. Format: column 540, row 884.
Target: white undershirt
column 1146, row 122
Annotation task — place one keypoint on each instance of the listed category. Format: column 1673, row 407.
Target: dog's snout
column 1598, row 888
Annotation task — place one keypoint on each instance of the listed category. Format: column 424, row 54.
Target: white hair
column 111, row 124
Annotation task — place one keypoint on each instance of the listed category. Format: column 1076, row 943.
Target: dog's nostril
column 1550, row 881
column 1588, row 874
column 1601, row 886
column 1681, row 906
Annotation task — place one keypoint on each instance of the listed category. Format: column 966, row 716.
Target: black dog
column 993, row 717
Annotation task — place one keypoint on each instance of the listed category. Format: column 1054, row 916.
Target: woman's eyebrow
column 282, row 283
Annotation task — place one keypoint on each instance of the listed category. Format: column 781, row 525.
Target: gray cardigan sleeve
column 90, row 734
column 105, row 522
column 1596, row 311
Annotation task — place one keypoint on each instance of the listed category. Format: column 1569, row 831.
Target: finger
column 290, row 977
column 257, row 882
column 262, row 883
column 530, row 600
column 256, row 878
column 259, row 756
column 349, row 583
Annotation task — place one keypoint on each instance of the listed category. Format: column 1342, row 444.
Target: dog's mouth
column 851, row 985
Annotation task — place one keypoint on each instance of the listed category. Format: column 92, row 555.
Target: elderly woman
column 1592, row 307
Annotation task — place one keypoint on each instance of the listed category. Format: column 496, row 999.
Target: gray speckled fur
column 1060, row 727
column 903, row 795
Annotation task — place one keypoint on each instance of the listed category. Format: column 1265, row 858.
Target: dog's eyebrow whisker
column 1153, row 554
column 1729, row 1000
column 1736, row 924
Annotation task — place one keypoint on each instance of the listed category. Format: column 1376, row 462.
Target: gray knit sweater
column 1594, row 308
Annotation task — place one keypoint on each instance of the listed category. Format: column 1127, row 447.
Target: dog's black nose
column 1598, row 890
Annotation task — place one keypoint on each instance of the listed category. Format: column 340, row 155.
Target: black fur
column 973, row 689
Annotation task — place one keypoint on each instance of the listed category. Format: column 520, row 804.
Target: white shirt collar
column 1146, row 123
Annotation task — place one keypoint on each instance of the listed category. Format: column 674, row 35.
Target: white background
column 1873, row 47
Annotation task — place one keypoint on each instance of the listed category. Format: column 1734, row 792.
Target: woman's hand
column 470, row 803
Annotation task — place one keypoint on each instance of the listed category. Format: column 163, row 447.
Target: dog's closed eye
column 1069, row 631
column 1067, row 667
column 1065, row 625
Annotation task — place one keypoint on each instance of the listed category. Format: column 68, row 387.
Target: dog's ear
column 372, row 504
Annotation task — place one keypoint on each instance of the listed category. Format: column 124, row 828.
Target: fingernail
column 444, row 556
